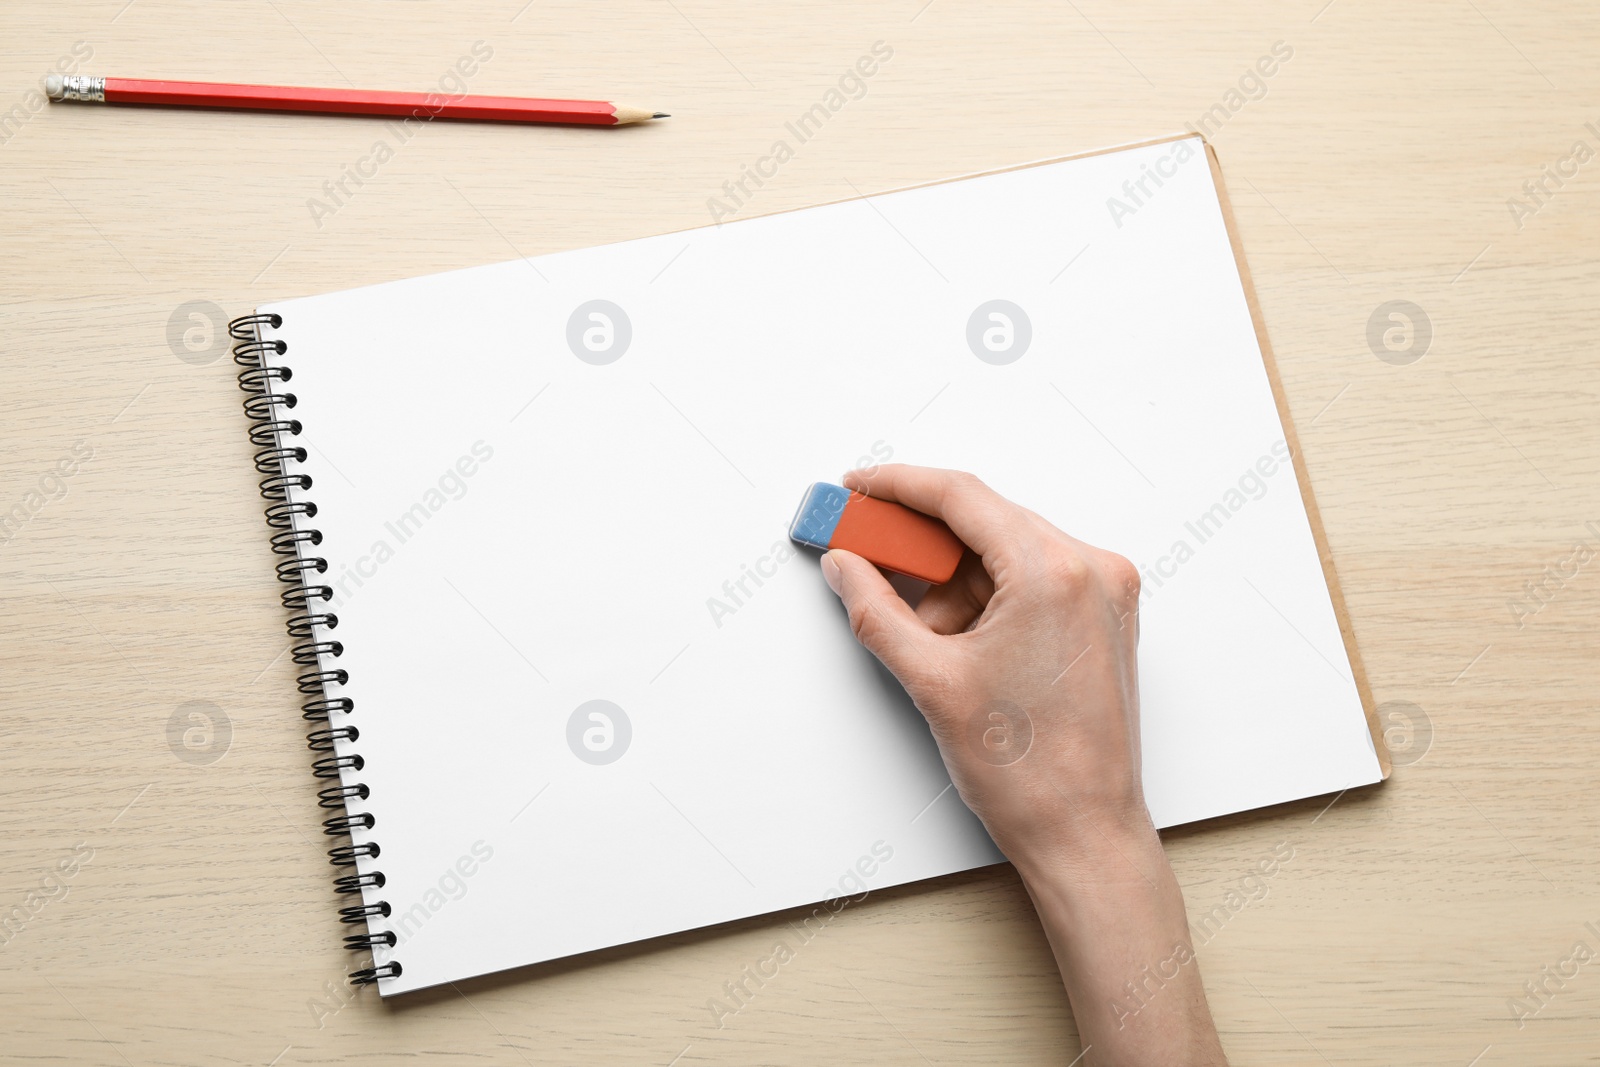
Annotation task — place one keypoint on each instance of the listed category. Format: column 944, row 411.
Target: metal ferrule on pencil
column 76, row 87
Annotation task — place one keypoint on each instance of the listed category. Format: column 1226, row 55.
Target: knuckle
column 967, row 480
column 1066, row 573
column 862, row 624
column 959, row 485
column 1122, row 576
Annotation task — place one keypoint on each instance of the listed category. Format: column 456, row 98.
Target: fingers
column 953, row 607
column 883, row 623
column 982, row 518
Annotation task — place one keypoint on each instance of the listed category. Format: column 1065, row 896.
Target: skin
column 1024, row 665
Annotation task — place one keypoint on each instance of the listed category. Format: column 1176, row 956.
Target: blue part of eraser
column 819, row 515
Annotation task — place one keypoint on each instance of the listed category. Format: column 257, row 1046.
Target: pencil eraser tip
column 54, row 87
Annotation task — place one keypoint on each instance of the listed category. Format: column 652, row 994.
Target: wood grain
column 1375, row 164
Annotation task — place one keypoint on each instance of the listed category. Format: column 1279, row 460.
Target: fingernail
column 831, row 572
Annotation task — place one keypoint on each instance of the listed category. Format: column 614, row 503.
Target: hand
column 1024, row 665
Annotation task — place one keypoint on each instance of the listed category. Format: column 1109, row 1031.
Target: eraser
column 890, row 535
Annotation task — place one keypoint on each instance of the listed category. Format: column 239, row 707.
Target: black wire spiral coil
column 270, row 429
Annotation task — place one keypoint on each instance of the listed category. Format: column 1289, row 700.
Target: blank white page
column 515, row 531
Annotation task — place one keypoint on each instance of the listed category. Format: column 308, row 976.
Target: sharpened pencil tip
column 661, row 115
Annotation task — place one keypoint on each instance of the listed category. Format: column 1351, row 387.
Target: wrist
column 1094, row 861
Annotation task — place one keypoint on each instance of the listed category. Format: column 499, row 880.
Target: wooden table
column 171, row 904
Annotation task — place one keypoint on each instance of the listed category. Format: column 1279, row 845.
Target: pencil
column 434, row 105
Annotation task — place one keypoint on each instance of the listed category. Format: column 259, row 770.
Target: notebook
column 570, row 685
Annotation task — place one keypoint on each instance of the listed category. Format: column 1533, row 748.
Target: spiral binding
column 270, row 428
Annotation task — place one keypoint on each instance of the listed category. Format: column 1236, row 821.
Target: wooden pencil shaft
column 430, row 105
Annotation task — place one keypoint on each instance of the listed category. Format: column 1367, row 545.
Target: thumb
column 883, row 622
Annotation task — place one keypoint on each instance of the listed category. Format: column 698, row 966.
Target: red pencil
column 435, row 105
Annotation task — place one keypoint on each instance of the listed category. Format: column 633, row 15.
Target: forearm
column 1116, row 922
column 1025, row 666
